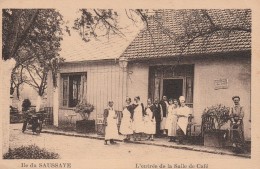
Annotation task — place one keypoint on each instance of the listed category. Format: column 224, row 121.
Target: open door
column 173, row 88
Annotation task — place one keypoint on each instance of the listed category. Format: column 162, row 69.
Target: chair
column 207, row 124
column 69, row 117
column 48, row 115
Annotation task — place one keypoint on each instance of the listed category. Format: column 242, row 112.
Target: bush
column 84, row 109
column 219, row 113
column 30, row 152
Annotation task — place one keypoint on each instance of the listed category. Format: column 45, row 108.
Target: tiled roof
column 156, row 43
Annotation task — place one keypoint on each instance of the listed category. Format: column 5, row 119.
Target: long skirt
column 162, row 127
column 111, row 131
column 149, row 126
column 138, row 125
column 126, row 126
column 171, row 126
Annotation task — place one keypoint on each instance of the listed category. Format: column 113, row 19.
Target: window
column 172, row 81
column 73, row 89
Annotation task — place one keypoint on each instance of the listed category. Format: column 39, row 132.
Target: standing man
column 236, row 125
column 110, row 120
column 164, row 103
column 157, row 110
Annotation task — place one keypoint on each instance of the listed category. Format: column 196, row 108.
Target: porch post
column 56, row 102
column 6, row 70
column 123, row 62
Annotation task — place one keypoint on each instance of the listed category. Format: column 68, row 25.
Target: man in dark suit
column 157, row 109
column 164, row 103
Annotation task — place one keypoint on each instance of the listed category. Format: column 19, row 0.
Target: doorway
column 173, row 88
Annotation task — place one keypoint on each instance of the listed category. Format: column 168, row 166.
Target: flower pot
column 85, row 126
column 101, row 129
column 215, row 138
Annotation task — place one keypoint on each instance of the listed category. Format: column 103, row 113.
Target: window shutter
column 65, row 90
column 189, row 90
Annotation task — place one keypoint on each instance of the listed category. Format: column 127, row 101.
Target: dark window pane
column 65, row 91
column 74, row 87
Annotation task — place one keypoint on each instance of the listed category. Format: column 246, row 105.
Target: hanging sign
column 220, row 84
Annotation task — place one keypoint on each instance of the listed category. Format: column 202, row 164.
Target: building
column 208, row 72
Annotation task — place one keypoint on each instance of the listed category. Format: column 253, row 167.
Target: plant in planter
column 84, row 109
column 213, row 118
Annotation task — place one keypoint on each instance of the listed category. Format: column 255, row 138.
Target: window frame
column 69, row 88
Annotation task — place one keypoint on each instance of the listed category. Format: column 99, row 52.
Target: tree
column 195, row 24
column 35, row 46
column 17, row 79
column 28, row 36
column 96, row 23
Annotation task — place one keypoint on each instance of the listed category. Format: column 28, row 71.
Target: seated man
column 183, row 113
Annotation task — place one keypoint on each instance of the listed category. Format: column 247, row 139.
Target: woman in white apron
column 126, row 121
column 110, row 119
column 171, row 121
column 149, row 121
column 138, row 119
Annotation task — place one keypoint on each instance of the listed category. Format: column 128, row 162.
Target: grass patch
column 30, row 152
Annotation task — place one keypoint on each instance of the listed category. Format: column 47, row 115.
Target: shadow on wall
column 245, row 75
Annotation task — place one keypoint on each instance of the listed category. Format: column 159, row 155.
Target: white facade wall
column 237, row 69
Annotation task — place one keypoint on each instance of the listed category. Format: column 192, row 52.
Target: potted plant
column 213, row 118
column 85, row 125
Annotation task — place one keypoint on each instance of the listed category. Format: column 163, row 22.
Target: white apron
column 171, row 121
column 126, row 123
column 183, row 121
column 149, row 123
column 138, row 122
column 111, row 128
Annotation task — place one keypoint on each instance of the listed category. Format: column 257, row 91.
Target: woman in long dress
column 126, row 122
column 138, row 118
column 110, row 119
column 171, row 121
column 149, row 121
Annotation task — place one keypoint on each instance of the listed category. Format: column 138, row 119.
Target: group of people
column 158, row 118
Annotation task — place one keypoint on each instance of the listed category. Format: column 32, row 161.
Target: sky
column 73, row 46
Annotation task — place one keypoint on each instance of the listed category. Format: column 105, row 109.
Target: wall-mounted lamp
column 123, row 62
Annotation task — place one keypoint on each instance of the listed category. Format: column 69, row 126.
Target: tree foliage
column 32, row 37
column 196, row 23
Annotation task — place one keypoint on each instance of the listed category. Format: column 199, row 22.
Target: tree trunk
column 38, row 103
column 6, row 69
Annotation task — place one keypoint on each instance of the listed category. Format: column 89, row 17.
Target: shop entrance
column 173, row 88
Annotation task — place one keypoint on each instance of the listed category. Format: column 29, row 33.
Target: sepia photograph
column 123, row 87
